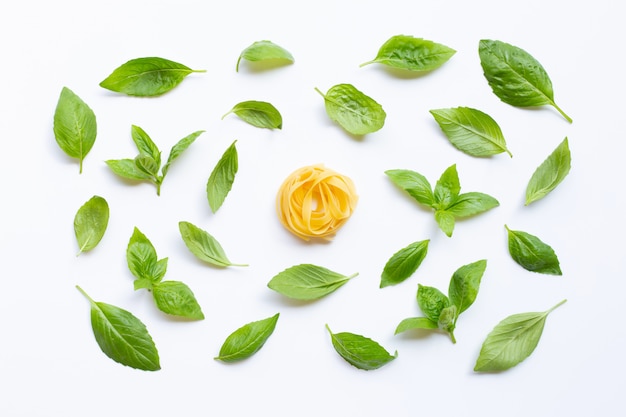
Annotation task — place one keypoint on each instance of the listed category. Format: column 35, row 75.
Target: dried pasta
column 315, row 202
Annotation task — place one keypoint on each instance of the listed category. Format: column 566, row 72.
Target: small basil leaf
column 307, row 282
column 142, row 258
column 446, row 221
column 126, row 168
column 550, row 173
column 511, row 341
column 354, row 111
column 204, row 246
column 90, row 223
column 415, row 184
column 74, row 126
column 531, row 253
column 222, row 178
column 413, row 54
column 258, row 113
column 447, row 320
column 265, row 51
column 413, row 323
column 145, row 145
column 404, row 263
column 178, row 149
column 177, row 299
column 146, row 77
column 431, row 301
column 359, row 351
column 471, row 131
column 464, row 285
column 447, row 188
column 469, row 204
column 515, row 76
column 147, row 165
column 122, row 336
column 247, row 340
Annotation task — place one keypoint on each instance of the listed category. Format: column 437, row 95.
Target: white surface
column 50, row 363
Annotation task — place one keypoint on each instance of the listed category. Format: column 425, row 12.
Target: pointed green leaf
column 266, row 51
column 222, row 178
column 446, row 221
column 307, row 282
column 431, row 301
column 126, row 168
column 447, row 188
column 145, row 144
column 142, row 258
column 469, row 204
column 464, row 285
column 247, row 340
column 258, row 113
column 359, row 351
column 532, row 253
column 413, row 54
column 204, row 246
column 415, row 184
column 177, row 299
column 178, row 149
column 90, row 223
column 414, row 323
column 404, row 263
column 550, row 173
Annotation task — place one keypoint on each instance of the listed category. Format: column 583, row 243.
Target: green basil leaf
column 446, row 221
column 414, row 323
column 550, row 173
column 511, row 341
column 307, row 282
column 178, row 149
column 413, row 54
column 145, row 145
column 469, row 204
column 431, row 301
column 354, row 111
column 126, row 168
column 471, row 131
column 122, row 336
column 464, row 285
column 447, row 321
column 515, row 76
column 204, row 246
column 177, row 299
column 142, row 258
column 447, row 188
column 247, row 340
column 258, row 113
column 146, row 77
column 359, row 351
column 147, row 165
column 404, row 263
column 90, row 223
column 415, row 184
column 74, row 126
column 531, row 253
column 222, row 177
column 266, row 51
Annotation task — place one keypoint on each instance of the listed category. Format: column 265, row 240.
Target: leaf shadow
column 402, row 74
column 265, row 65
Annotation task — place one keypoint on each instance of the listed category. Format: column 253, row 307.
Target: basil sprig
column 146, row 77
column 532, row 253
column 247, row 340
column 515, row 76
column 75, row 127
column 258, row 113
column 90, row 223
column 360, row 351
column 550, row 173
column 266, row 52
column 412, row 54
column 512, row 340
column 122, row 336
column 222, row 177
column 446, row 198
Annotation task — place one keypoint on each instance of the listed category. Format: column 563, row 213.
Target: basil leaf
column 447, row 188
column 359, row 351
column 464, row 285
column 74, row 126
column 447, row 321
column 122, row 336
column 148, row 166
column 471, row 131
column 307, row 282
column 531, row 253
column 204, row 246
column 416, row 185
column 145, row 145
column 222, row 177
column 550, row 173
column 147, row 77
column 413, row 323
column 265, row 51
column 354, row 111
column 446, row 221
column 511, row 341
column 431, row 301
column 90, row 223
column 177, row 299
column 178, row 149
column 247, row 340
column 127, row 168
column 404, row 263
column 258, row 113
column 469, row 204
column 413, row 54
column 515, row 76
column 142, row 258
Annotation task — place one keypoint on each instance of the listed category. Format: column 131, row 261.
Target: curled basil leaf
column 354, row 111
column 266, row 51
column 550, row 173
column 247, row 340
column 307, row 282
column 413, row 54
column 258, row 113
column 531, row 253
column 359, row 351
column 222, row 177
column 90, row 223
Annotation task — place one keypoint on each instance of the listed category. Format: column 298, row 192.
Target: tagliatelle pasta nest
column 315, row 202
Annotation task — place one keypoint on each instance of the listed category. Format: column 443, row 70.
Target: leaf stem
column 84, row 293
column 367, row 63
column 321, row 94
column 569, row 119
column 452, row 337
column 556, row 306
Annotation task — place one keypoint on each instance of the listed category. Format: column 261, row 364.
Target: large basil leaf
column 550, row 173
column 413, row 54
column 177, row 299
column 267, row 52
column 515, row 76
column 404, row 263
column 204, row 246
column 90, row 223
column 471, row 131
column 511, row 341
column 74, row 126
column 122, row 336
column 247, row 340
column 258, row 113
column 354, row 111
column 222, row 178
column 146, row 77
column 531, row 253
column 307, row 282
column 359, row 351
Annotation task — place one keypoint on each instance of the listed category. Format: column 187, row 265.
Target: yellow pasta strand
column 315, row 202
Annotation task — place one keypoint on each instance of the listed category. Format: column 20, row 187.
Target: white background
column 50, row 363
